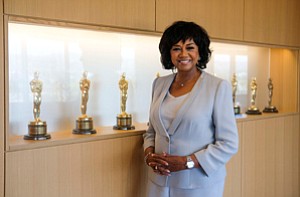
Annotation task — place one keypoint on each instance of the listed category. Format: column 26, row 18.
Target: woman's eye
column 176, row 49
column 190, row 48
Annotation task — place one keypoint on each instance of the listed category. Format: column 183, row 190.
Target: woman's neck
column 185, row 77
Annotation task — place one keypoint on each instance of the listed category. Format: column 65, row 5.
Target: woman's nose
column 183, row 52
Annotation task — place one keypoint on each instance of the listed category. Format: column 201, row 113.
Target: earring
column 174, row 70
column 202, row 66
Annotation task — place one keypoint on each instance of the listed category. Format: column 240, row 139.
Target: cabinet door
column 273, row 22
column 136, row 14
column 221, row 18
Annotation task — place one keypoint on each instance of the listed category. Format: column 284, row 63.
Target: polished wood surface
column 135, row 14
column 222, row 19
column 273, row 22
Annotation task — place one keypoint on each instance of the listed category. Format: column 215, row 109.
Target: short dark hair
column 182, row 31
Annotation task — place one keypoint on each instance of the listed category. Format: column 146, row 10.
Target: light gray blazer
column 205, row 126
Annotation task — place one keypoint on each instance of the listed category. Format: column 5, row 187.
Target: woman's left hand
column 175, row 163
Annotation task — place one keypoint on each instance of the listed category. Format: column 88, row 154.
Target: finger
column 160, row 160
column 164, row 171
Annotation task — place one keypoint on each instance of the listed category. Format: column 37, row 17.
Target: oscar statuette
column 84, row 123
column 270, row 108
column 37, row 129
column 253, row 110
column 234, row 83
column 124, row 120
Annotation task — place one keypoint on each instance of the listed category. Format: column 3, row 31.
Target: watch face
column 190, row 163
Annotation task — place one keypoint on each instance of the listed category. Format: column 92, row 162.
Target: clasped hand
column 164, row 163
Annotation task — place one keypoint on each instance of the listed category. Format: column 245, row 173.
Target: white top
column 169, row 108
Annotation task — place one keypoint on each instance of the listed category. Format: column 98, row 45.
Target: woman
column 192, row 130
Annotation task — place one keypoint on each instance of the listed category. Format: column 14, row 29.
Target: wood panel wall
column 267, row 164
column 270, row 161
column 134, row 14
column 110, row 168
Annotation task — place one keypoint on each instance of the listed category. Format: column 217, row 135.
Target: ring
column 155, row 168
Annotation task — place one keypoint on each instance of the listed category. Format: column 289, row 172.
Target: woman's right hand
column 153, row 160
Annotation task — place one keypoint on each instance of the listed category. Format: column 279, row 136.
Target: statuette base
column 253, row 111
column 37, row 130
column 84, row 125
column 124, row 122
column 237, row 109
column 270, row 109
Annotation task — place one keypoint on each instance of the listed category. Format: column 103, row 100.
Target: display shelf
column 59, row 138
column 17, row 143
column 263, row 116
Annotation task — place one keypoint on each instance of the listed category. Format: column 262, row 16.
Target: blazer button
column 167, row 139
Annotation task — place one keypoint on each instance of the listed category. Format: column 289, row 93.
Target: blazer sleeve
column 149, row 135
column 216, row 155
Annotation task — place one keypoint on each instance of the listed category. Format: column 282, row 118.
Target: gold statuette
column 37, row 129
column 270, row 108
column 253, row 110
column 84, row 123
column 124, row 120
column 234, row 83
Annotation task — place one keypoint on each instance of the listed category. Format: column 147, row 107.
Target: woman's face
column 185, row 55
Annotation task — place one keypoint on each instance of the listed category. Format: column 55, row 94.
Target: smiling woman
column 192, row 130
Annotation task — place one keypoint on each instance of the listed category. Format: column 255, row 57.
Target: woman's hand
column 175, row 163
column 154, row 161
column 158, row 164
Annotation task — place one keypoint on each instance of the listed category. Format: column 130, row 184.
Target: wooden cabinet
column 233, row 183
column 136, row 14
column 267, row 163
column 221, row 18
column 270, row 157
column 111, row 168
column 272, row 22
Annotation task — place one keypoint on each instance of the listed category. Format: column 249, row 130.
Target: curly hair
column 182, row 31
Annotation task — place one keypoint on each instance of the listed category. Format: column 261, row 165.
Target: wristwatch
column 189, row 162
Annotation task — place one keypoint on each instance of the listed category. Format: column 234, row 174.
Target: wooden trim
column 2, row 104
column 78, row 25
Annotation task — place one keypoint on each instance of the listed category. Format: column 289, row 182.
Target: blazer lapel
column 165, row 89
column 183, row 110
